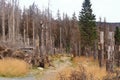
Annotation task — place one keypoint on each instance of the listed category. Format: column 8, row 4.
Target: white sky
column 101, row 8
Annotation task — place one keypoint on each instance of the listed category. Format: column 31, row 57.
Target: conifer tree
column 117, row 36
column 87, row 26
column 117, row 45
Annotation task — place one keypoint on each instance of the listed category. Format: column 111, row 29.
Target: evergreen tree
column 87, row 26
column 117, row 43
column 117, row 36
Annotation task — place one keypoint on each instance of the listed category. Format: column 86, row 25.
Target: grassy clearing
column 10, row 67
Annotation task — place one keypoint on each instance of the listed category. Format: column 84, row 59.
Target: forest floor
column 63, row 65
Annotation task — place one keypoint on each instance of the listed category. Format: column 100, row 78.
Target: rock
column 40, row 68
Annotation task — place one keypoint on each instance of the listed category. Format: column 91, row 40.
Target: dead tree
column 33, row 24
column 3, row 20
column 60, row 30
column 9, row 22
column 13, row 21
column 106, row 35
column 17, row 23
column 24, row 35
column 101, row 48
column 110, row 52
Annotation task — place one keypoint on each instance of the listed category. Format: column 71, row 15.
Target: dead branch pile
column 34, row 60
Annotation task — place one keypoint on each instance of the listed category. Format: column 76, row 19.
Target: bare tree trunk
column 60, row 40
column 33, row 33
column 47, row 39
column 95, row 50
column 76, row 49
column 42, row 42
column 28, row 42
column 79, row 49
column 101, row 48
column 3, row 20
column 17, row 23
column 13, row 24
column 110, row 52
column 9, row 23
column 24, row 35
column 9, row 26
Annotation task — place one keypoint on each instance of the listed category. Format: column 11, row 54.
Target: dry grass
column 10, row 67
column 86, row 60
column 90, row 65
column 98, row 73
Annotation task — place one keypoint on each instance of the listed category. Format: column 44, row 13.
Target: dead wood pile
column 34, row 60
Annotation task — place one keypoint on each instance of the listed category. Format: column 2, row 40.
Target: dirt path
column 51, row 73
column 26, row 78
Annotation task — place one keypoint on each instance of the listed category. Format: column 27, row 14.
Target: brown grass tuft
column 10, row 67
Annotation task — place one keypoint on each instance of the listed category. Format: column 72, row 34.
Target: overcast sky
column 101, row 8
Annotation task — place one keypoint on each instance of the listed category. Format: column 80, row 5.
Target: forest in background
column 38, row 31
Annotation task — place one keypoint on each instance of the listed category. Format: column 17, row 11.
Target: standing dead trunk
column 60, row 40
column 13, row 21
column 79, row 49
column 101, row 48
column 110, row 52
column 76, row 49
column 28, row 42
column 33, row 24
column 3, row 20
column 9, row 23
column 43, row 41
column 24, row 35
column 100, row 55
column 95, row 50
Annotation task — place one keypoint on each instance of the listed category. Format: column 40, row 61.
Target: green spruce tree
column 87, row 25
column 117, row 44
column 117, row 36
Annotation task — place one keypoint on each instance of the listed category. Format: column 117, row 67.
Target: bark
column 95, row 51
column 79, row 49
column 13, row 21
column 101, row 48
column 60, row 40
column 117, row 55
column 33, row 24
column 3, row 20
column 24, row 35
column 110, row 52
column 100, row 55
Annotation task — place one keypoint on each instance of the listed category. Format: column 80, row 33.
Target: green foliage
column 117, row 36
column 87, row 25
